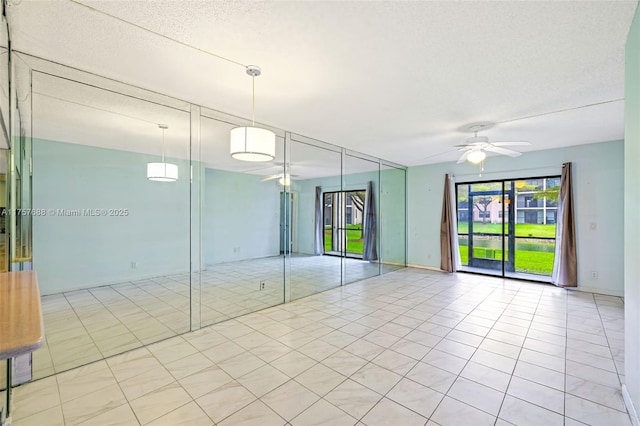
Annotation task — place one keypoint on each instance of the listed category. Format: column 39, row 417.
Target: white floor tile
column 290, row 399
column 451, row 412
column 388, row 412
column 255, row 414
column 353, row 398
column 518, row 412
column 460, row 334
column 419, row 398
column 323, row 413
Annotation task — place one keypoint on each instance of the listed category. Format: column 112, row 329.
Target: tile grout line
column 517, row 359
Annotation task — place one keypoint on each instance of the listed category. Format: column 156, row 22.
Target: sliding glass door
column 507, row 227
column 343, row 218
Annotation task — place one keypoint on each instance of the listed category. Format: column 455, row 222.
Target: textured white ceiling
column 392, row 79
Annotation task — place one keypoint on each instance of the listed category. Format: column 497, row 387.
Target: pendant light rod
column 163, row 127
column 251, row 143
column 253, row 71
column 163, row 171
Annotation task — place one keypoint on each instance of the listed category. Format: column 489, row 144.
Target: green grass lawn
column 522, row 229
column 355, row 243
column 532, row 262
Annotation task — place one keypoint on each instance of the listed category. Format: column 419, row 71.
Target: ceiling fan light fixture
column 476, row 156
column 250, row 143
column 285, row 180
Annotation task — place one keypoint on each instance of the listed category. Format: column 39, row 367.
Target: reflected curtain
column 565, row 261
column 370, row 249
column 449, row 252
column 318, row 235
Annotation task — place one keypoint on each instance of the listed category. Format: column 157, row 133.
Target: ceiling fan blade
column 464, row 157
column 511, row 143
column 278, row 176
column 503, row 151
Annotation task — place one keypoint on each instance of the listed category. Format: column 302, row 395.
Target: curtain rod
column 505, row 171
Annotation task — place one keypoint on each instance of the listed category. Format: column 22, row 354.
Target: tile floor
column 84, row 326
column 411, row 347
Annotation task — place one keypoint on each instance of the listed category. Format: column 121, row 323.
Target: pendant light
column 252, row 143
column 162, row 172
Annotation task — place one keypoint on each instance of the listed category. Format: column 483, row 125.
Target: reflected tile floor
column 411, row 347
column 83, row 326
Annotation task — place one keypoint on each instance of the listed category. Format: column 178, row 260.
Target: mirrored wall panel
column 111, row 185
column 4, row 177
column 242, row 225
column 315, row 259
column 358, row 207
column 145, row 226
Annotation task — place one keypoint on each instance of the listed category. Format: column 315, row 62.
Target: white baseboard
column 430, row 268
column 635, row 420
column 597, row 290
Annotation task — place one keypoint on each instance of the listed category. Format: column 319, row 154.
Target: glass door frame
column 339, row 236
column 505, row 197
column 510, row 219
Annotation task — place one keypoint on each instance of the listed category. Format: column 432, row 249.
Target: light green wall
column 631, row 218
column 241, row 217
column 598, row 193
column 393, row 216
column 77, row 252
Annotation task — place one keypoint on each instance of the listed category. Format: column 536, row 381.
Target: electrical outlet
column 262, row 285
column 134, row 265
column 594, row 275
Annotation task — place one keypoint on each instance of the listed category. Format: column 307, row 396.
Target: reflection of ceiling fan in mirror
column 476, row 148
column 284, row 180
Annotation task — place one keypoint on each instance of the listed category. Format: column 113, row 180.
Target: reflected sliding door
column 343, row 219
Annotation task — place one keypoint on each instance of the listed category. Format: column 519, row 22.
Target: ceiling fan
column 476, row 148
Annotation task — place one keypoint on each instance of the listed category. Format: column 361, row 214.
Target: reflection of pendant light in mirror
column 476, row 156
column 252, row 143
column 162, row 172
